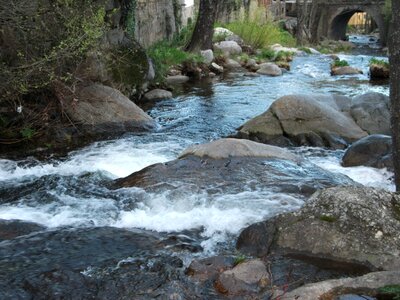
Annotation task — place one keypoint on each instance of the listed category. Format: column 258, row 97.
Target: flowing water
column 73, row 192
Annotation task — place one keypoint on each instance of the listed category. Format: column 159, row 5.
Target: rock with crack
column 340, row 227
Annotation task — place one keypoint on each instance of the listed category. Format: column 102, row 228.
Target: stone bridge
column 329, row 18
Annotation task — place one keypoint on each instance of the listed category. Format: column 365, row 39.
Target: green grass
column 258, row 34
column 239, row 259
column 327, row 218
column 340, row 63
column 284, row 56
column 392, row 290
column 379, row 62
column 165, row 55
column 268, row 54
column 306, row 50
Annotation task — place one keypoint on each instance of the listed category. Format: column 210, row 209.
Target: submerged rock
column 340, row 227
column 234, row 170
column 103, row 109
column 310, row 120
column 372, row 151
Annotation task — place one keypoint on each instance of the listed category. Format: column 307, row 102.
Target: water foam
column 116, row 158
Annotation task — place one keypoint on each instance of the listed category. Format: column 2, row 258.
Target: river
column 73, row 192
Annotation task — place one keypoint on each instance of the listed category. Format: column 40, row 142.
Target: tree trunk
column 204, row 28
column 394, row 44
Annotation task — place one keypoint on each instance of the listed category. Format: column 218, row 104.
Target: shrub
column 379, row 62
column 165, row 54
column 340, row 63
column 268, row 54
column 260, row 33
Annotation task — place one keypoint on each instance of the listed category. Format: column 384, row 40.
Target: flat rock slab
column 233, row 175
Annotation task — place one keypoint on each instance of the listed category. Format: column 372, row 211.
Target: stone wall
column 155, row 21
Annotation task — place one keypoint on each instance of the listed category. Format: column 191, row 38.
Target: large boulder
column 311, row 120
column 371, row 112
column 269, row 69
column 379, row 72
column 369, row 286
column 372, row 151
column 225, row 166
column 342, row 227
column 228, row 48
column 104, row 109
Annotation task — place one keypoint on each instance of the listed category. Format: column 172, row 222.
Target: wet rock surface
column 344, row 226
column 364, row 287
column 373, row 151
column 309, row 120
column 10, row 229
column 102, row 263
column 234, row 174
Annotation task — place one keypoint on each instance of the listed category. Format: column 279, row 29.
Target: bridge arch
column 341, row 17
column 329, row 18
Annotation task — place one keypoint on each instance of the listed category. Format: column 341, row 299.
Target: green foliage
column 306, row 50
column 340, row 63
column 164, row 55
column 27, row 132
column 47, row 42
column 239, row 259
column 327, row 218
column 260, row 33
column 130, row 18
column 268, row 54
column 380, row 62
column 392, row 290
column 387, row 11
column 284, row 56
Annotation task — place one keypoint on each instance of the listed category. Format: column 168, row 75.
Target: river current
column 73, row 191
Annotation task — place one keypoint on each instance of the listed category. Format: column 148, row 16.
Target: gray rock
column 247, row 277
column 368, row 284
column 157, row 94
column 216, row 68
column 177, row 79
column 218, row 31
column 269, row 69
column 208, row 56
column 251, row 74
column 347, row 70
column 232, row 64
column 106, row 109
column 226, row 148
column 230, row 175
column 311, row 120
column 228, row 48
column 371, row 112
column 252, row 65
column 372, row 151
column 235, row 38
column 343, row 226
column 209, row 268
